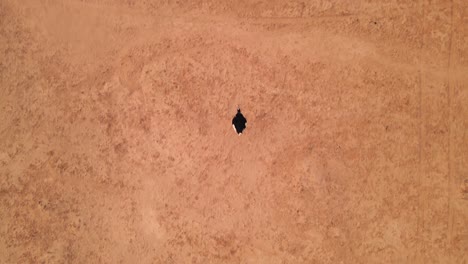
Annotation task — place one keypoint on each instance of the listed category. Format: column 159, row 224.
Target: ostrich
column 239, row 123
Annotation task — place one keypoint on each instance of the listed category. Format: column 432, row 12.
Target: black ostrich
column 239, row 123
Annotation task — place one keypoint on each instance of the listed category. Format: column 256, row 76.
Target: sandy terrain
column 116, row 143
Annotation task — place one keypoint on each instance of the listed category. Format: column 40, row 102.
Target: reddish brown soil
column 116, row 143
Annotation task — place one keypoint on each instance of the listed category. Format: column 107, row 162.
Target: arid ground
column 116, row 143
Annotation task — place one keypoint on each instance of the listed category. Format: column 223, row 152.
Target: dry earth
column 116, row 144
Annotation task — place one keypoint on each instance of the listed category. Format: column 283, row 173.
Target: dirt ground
column 116, row 143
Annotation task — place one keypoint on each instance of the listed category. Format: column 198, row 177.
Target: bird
column 239, row 123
